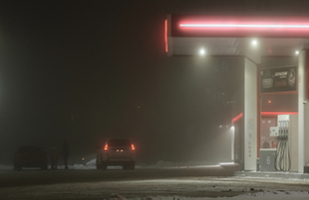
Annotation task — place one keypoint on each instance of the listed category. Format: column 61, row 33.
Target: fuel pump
column 283, row 158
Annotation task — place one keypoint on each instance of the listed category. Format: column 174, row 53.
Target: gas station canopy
column 275, row 53
column 241, row 36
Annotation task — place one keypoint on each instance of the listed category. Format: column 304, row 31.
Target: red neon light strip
column 239, row 26
column 279, row 113
column 244, row 26
column 237, row 117
column 265, row 113
column 165, row 36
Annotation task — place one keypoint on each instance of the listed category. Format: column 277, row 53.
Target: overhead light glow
column 254, row 42
column 296, row 52
column 202, row 52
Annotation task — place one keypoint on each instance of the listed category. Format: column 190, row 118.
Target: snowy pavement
column 185, row 188
column 165, row 181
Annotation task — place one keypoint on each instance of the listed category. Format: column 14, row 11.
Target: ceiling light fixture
column 202, row 52
column 254, row 42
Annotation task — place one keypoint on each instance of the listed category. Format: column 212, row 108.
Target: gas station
column 270, row 111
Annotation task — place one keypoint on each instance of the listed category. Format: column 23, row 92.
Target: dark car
column 115, row 152
column 30, row 156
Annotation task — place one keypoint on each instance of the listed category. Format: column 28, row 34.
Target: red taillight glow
column 106, row 147
column 132, row 147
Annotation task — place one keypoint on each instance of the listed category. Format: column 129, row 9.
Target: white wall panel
column 303, row 113
column 250, row 115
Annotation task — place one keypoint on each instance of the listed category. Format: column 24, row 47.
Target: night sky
column 88, row 70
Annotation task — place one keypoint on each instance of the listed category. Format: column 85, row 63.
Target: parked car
column 30, row 156
column 116, row 152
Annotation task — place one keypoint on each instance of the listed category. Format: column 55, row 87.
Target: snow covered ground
column 184, row 188
column 256, row 196
column 160, row 181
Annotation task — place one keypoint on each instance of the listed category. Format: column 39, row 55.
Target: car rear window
column 119, row 142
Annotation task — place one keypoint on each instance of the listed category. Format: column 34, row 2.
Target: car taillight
column 106, row 147
column 132, row 147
